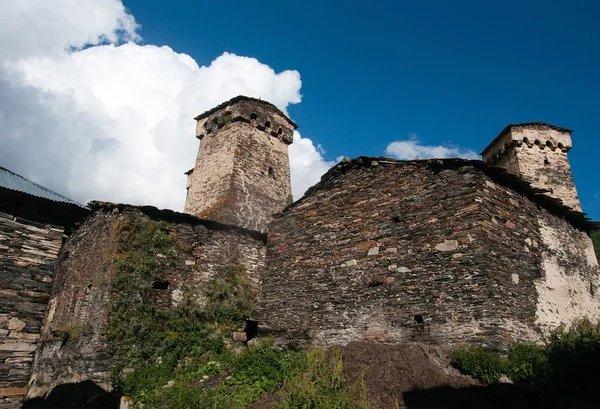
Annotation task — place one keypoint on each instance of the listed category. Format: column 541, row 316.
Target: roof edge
column 52, row 195
column 175, row 217
column 496, row 174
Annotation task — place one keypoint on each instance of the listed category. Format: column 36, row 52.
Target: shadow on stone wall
column 82, row 395
column 498, row 396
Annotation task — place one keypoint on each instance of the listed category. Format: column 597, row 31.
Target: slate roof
column 12, row 181
column 496, row 174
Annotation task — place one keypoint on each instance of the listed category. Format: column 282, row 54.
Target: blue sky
column 97, row 96
column 454, row 73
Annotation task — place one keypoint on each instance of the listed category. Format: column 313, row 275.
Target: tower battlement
column 263, row 115
column 537, row 153
column 242, row 172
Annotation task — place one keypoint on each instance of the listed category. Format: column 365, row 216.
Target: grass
column 321, row 385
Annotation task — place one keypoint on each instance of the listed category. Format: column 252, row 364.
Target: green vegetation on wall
column 596, row 240
column 183, row 357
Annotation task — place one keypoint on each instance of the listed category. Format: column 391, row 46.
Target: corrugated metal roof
column 11, row 180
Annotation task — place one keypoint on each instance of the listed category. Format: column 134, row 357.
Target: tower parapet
column 537, row 153
column 242, row 172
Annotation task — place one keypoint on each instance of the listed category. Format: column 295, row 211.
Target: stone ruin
column 440, row 251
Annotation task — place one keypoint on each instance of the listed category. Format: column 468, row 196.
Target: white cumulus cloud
column 411, row 148
column 306, row 164
column 44, row 27
column 94, row 118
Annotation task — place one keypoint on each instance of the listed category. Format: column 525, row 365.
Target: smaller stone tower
column 242, row 172
column 537, row 153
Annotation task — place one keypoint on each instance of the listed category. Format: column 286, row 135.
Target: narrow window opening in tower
column 592, row 291
column 253, row 116
column 396, row 219
column 279, row 131
column 267, row 124
column 160, row 285
column 271, row 172
column 419, row 319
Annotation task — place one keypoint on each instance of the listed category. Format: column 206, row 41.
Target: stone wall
column 547, row 253
column 436, row 251
column 570, row 283
column 87, row 268
column 28, row 252
column 242, row 173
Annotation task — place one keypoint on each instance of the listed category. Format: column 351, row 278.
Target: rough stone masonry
column 28, row 252
column 442, row 251
column 242, row 174
column 83, row 285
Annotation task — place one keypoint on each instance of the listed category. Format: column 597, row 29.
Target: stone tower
column 537, row 153
column 242, row 172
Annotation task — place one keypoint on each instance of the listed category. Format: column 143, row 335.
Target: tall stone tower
column 537, row 153
column 242, row 172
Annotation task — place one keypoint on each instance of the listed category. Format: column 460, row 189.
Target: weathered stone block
column 17, row 347
column 15, row 324
column 9, row 392
column 447, row 245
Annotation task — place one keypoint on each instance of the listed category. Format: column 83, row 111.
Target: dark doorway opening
column 160, row 285
column 251, row 329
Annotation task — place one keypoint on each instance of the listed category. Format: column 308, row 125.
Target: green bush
column 528, row 363
column 565, row 371
column 574, row 356
column 479, row 363
column 256, row 370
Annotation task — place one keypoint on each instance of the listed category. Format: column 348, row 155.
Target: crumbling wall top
column 175, row 217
